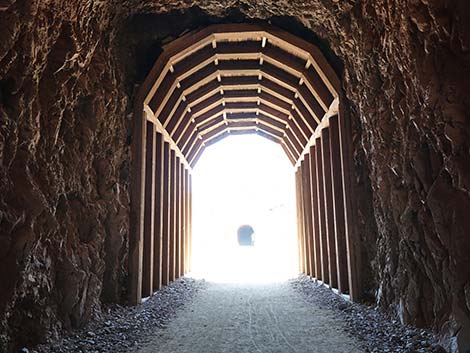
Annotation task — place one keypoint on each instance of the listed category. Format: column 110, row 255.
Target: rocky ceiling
column 241, row 78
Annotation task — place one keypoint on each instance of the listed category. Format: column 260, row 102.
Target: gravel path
column 194, row 316
column 251, row 318
column 380, row 332
column 120, row 328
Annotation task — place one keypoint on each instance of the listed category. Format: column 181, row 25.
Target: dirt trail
column 251, row 318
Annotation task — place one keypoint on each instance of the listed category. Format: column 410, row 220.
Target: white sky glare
column 244, row 179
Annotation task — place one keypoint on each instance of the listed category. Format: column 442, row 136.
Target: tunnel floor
column 196, row 316
column 252, row 318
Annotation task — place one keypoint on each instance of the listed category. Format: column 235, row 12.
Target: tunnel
column 232, row 79
column 107, row 107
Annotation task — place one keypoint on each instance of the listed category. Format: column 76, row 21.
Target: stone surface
column 67, row 75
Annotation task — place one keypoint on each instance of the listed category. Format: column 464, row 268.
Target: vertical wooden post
column 186, row 176
column 190, row 223
column 183, row 220
column 352, row 238
column 166, row 214
column 147, row 271
column 308, row 214
column 304, row 220
column 315, row 216
column 338, row 206
column 177, row 217
column 300, row 237
column 136, row 242
column 325, row 276
column 158, row 214
column 328, row 204
column 172, row 214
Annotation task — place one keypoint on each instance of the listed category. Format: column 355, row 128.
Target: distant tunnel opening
column 244, row 224
column 240, row 79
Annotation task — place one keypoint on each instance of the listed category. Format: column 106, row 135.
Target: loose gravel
column 121, row 328
column 380, row 332
column 124, row 329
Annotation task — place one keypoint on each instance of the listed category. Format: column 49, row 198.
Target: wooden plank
column 288, row 151
column 328, row 205
column 166, row 136
column 352, row 238
column 308, row 215
column 158, row 215
column 177, row 218
column 136, row 242
column 172, row 214
column 183, row 221
column 325, row 276
column 334, row 108
column 315, row 215
column 190, row 44
column 186, row 261
column 149, row 206
column 166, row 207
column 306, row 245
column 300, row 241
column 236, row 83
column 190, row 223
column 338, row 207
column 196, row 147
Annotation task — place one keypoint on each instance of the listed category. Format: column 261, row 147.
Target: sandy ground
column 251, row 318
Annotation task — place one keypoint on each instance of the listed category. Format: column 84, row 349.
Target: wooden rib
column 189, row 145
column 197, row 146
column 179, row 49
column 168, row 106
column 212, row 107
column 184, row 140
column 159, row 128
column 248, row 82
column 281, row 73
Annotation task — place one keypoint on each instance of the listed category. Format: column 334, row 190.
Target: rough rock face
column 67, row 74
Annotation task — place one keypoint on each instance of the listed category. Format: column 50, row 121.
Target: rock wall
column 63, row 176
column 67, row 75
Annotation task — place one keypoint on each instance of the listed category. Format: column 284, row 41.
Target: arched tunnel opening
column 106, row 110
column 239, row 78
column 244, row 215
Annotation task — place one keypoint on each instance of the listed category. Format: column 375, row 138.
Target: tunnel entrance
column 232, row 79
column 244, row 218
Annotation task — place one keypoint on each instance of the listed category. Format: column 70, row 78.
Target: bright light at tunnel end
column 244, row 179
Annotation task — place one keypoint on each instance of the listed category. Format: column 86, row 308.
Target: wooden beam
column 306, row 244
column 300, row 238
column 149, row 209
column 189, row 44
column 338, row 207
column 308, row 215
column 177, row 218
column 190, row 228
column 176, row 107
column 325, row 276
column 159, row 128
column 315, row 212
column 183, row 220
column 136, row 242
column 172, row 215
column 288, row 152
column 353, row 242
column 329, row 212
column 334, row 108
column 158, row 214
column 166, row 207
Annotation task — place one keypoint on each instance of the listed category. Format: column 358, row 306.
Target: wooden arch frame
column 243, row 78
